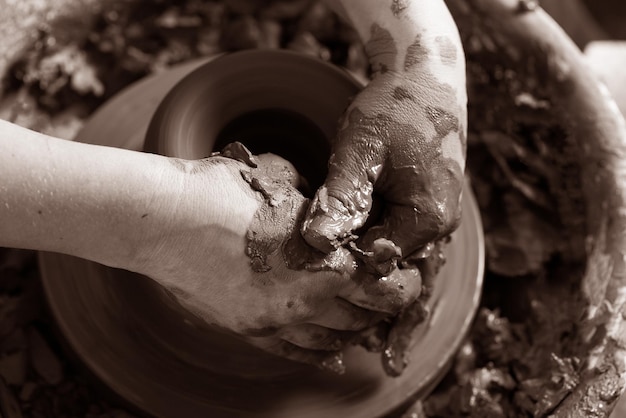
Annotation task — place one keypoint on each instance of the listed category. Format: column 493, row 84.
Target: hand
column 400, row 150
column 402, row 140
column 229, row 249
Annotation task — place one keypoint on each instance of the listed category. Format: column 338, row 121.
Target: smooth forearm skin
column 94, row 202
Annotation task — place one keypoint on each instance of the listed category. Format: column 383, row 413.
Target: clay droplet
column 447, row 50
column 415, row 53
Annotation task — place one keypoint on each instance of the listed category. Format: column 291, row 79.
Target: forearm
column 418, row 65
column 74, row 198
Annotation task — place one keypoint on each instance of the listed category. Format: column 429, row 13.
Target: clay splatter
column 443, row 121
column 447, row 50
column 282, row 205
column 400, row 93
column 398, row 6
column 238, row 151
column 415, row 53
column 381, row 50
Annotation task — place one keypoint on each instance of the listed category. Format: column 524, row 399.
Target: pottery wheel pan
column 130, row 334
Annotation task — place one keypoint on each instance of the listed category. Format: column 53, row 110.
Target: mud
column 381, row 50
column 398, row 6
column 416, row 53
column 447, row 50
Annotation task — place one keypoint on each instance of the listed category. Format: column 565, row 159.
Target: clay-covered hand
column 229, row 249
column 402, row 139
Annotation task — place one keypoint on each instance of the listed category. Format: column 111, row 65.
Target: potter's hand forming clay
column 403, row 137
column 214, row 232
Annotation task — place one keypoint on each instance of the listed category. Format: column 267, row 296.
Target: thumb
column 343, row 203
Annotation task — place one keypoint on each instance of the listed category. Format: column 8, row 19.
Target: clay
column 416, row 53
column 189, row 167
column 381, row 50
column 447, row 50
column 443, row 121
column 276, row 181
column 409, row 147
column 432, row 177
column 397, row 6
column 400, row 93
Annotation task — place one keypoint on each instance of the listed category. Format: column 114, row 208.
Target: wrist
column 194, row 206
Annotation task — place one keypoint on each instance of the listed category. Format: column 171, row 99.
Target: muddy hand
column 397, row 345
column 229, row 250
column 402, row 138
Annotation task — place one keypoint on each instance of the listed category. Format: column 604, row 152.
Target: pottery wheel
column 130, row 334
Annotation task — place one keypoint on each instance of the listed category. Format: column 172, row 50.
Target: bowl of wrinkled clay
column 134, row 338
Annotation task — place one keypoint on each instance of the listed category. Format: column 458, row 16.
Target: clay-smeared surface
column 281, row 211
column 398, row 6
column 381, row 50
column 406, row 142
column 276, row 180
column 447, row 50
column 416, row 53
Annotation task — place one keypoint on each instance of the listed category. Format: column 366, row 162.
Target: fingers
column 408, row 228
column 395, row 354
column 343, row 203
column 388, row 294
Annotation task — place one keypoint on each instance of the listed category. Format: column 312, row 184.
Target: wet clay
column 274, row 227
column 416, row 53
column 427, row 179
column 447, row 50
column 282, row 204
column 406, row 143
column 398, row 6
column 381, row 50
